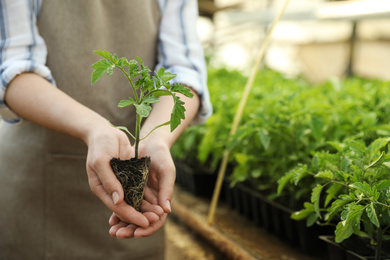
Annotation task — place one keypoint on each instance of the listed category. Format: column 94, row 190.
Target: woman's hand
column 162, row 174
column 104, row 143
column 158, row 192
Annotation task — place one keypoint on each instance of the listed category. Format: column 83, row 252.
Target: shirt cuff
column 8, row 74
column 190, row 78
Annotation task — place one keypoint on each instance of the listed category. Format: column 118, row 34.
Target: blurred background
column 323, row 90
column 317, row 39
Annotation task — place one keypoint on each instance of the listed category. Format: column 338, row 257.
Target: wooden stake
column 240, row 110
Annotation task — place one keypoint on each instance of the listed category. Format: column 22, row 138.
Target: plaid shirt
column 22, row 49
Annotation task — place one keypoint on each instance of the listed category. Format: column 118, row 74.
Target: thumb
column 109, row 190
column 166, row 185
column 104, row 183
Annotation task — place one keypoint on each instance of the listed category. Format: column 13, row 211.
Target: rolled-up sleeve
column 180, row 50
column 22, row 49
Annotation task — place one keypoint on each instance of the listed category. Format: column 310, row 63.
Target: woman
column 48, row 211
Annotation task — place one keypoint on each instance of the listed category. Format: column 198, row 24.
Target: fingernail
column 115, row 197
column 169, row 205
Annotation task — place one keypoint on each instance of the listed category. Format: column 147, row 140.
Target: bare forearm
column 161, row 113
column 36, row 100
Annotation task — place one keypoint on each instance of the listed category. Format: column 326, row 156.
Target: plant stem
column 164, row 124
column 381, row 204
column 139, row 118
column 131, row 83
column 340, row 183
column 137, row 130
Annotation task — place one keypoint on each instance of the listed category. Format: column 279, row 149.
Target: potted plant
column 133, row 173
column 354, row 189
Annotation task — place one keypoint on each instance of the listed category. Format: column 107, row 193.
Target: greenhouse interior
column 304, row 173
column 293, row 163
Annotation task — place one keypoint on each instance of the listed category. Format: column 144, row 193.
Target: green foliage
column 204, row 144
column 149, row 89
column 322, row 144
column 357, row 190
column 285, row 123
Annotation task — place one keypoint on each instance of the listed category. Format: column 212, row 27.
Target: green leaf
column 351, row 222
column 151, row 99
column 133, row 68
column 145, row 82
column 371, row 213
column 178, row 88
column 126, row 102
column 304, row 213
column 376, row 162
column 311, row 219
column 342, row 175
column 282, row 182
column 325, row 175
column 317, row 125
column 315, row 198
column 143, row 109
column 345, row 163
column 355, row 214
column 177, row 113
column 162, row 78
column 357, row 147
column 160, row 92
column 374, row 147
column 338, row 204
column 356, row 174
column 300, row 172
column 108, row 56
column 362, row 187
column 383, row 185
column 101, row 67
column 338, row 146
column 295, row 174
column 123, row 62
column 144, row 69
column 256, row 173
column 264, row 138
column 332, row 192
column 343, row 231
column 241, row 158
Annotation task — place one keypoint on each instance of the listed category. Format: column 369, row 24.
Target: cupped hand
column 158, row 192
column 153, row 213
column 104, row 143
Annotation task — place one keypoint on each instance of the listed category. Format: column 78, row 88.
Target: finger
column 114, row 229
column 150, row 196
column 126, row 232
column 100, row 175
column 114, row 219
column 152, row 217
column 166, row 185
column 125, row 150
column 124, row 211
column 129, row 215
column 147, row 207
column 145, row 232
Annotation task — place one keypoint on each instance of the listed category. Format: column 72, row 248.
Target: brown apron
column 47, row 208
